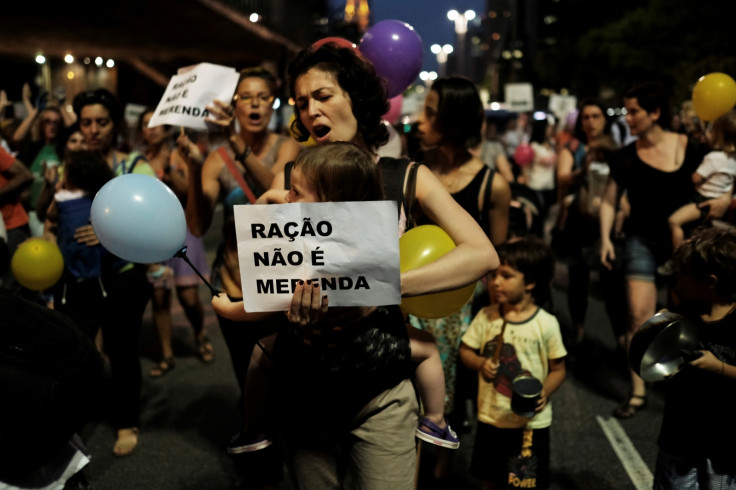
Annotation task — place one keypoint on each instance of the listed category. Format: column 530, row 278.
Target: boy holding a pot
column 515, row 344
column 697, row 447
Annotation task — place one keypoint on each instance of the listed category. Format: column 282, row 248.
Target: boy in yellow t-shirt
column 512, row 450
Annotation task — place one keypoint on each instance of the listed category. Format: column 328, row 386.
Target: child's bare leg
column 255, row 392
column 430, row 377
column 686, row 214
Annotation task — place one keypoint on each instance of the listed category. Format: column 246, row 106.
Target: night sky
column 428, row 18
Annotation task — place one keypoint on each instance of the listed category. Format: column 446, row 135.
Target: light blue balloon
column 138, row 218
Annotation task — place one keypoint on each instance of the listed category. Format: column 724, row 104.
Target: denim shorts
column 674, row 473
column 643, row 256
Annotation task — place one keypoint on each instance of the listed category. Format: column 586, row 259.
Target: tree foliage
column 608, row 47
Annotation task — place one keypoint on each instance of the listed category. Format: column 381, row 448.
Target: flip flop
column 162, row 368
column 205, row 350
column 626, row 410
column 126, row 442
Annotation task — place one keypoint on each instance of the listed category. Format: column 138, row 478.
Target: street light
column 428, row 77
column 461, row 20
column 461, row 28
column 441, row 52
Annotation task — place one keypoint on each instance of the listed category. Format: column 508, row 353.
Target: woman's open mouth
column 321, row 131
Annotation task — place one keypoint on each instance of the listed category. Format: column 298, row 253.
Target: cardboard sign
column 351, row 248
column 189, row 93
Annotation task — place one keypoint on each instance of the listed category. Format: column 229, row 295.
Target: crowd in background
column 603, row 194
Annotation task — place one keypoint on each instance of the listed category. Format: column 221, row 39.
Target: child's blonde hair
column 723, row 132
column 340, row 171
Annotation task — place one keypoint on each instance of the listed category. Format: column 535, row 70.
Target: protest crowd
column 640, row 205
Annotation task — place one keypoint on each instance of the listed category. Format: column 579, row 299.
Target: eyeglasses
column 247, row 98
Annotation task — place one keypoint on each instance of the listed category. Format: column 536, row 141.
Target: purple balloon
column 395, row 49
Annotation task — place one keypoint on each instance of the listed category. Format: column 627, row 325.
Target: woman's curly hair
column 357, row 77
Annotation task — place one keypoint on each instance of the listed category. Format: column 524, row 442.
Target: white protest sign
column 351, row 248
column 519, row 96
column 189, row 93
column 562, row 105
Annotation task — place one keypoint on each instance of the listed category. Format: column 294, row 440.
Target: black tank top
column 467, row 197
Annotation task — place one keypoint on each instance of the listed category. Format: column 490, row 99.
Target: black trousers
column 115, row 303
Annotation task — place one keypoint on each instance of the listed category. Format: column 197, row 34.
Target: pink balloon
column 342, row 42
column 524, row 155
column 394, row 111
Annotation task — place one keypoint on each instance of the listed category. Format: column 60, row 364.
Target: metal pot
column 526, row 391
column 663, row 345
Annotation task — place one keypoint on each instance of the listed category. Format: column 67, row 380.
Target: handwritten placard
column 190, row 91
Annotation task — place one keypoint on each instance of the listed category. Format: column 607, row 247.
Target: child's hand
column 708, row 362
column 308, row 305
column 272, row 196
column 489, row 369
column 542, row 402
column 222, row 304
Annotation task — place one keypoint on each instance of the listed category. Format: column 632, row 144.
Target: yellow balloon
column 420, row 246
column 714, row 95
column 37, row 264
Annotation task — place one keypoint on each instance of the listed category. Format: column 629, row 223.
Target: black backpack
column 49, row 380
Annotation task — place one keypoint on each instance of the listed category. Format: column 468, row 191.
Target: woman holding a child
column 339, row 98
column 655, row 172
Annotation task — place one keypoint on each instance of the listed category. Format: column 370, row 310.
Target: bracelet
column 241, row 158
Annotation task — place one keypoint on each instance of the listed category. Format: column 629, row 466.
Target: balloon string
column 182, row 254
column 499, row 344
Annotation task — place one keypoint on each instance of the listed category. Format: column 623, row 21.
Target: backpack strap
column 484, row 199
column 409, row 196
column 135, row 157
column 393, row 173
column 287, row 175
column 236, row 173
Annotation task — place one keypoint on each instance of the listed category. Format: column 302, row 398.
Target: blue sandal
column 432, row 433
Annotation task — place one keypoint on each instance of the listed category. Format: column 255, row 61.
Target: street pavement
column 189, row 415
